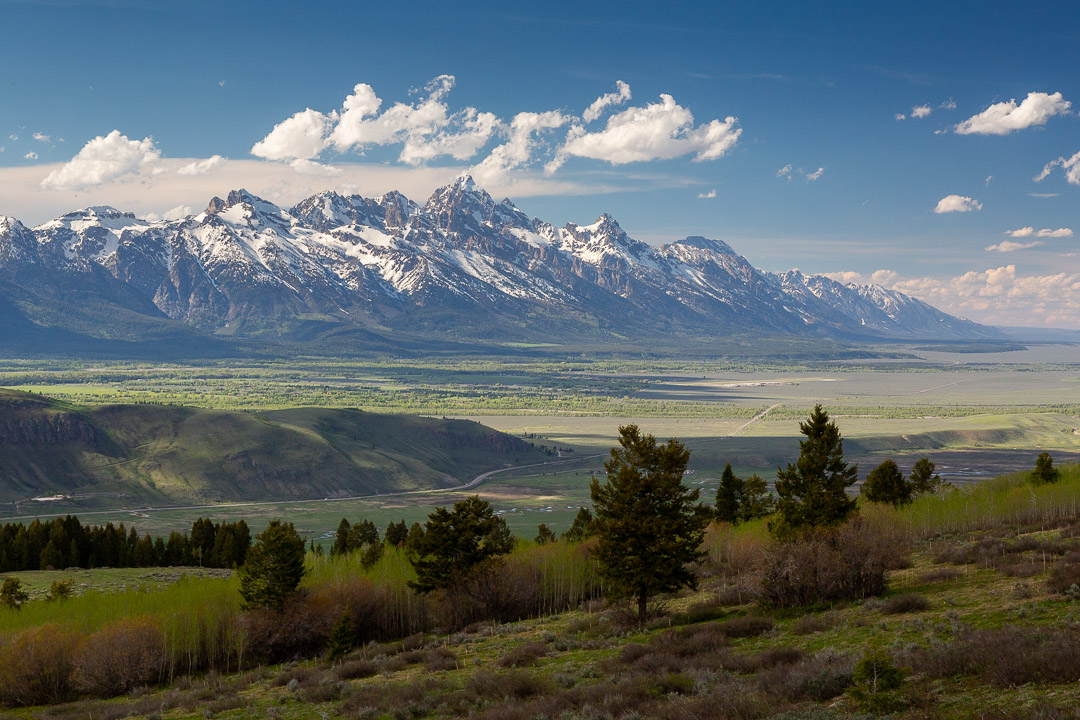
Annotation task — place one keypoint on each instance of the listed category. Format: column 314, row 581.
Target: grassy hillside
column 157, row 453
column 979, row 622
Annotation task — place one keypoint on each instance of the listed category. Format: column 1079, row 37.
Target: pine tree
column 886, row 484
column 397, row 533
column 729, row 497
column 454, row 542
column 582, row 527
column 649, row 525
column 341, row 639
column 757, row 501
column 544, row 534
column 924, row 478
column 12, row 594
column 361, row 534
column 341, row 538
column 1044, row 471
column 812, row 491
column 274, row 566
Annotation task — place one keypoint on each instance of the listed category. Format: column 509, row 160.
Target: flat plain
column 975, row 414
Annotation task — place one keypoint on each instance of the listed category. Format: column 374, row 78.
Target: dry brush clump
column 1008, row 656
column 846, row 563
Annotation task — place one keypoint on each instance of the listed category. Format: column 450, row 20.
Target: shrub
column 905, row 603
column 60, row 589
column 120, row 656
column 821, row 677
column 440, row 659
column 846, row 563
column 355, row 669
column 524, row 655
column 12, row 594
column 746, row 626
column 35, row 666
column 1008, row 656
column 515, row 685
column 1065, row 579
column 812, row 623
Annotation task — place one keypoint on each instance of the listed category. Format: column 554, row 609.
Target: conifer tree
column 397, row 533
column 649, row 525
column 729, row 497
column 886, row 484
column 341, row 639
column 361, row 534
column 341, row 538
column 812, row 492
column 757, row 501
column 456, row 541
column 544, row 534
column 12, row 594
column 274, row 566
column 1044, row 471
column 924, row 478
column 582, row 527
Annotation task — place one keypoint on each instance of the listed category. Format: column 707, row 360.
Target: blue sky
column 157, row 106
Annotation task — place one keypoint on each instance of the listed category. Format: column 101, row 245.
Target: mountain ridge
column 461, row 266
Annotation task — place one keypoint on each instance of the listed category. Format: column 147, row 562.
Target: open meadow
column 975, row 414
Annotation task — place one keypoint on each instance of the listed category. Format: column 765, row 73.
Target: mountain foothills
column 156, row 453
column 363, row 270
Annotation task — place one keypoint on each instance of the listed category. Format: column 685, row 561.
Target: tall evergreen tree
column 886, row 484
column 729, row 497
column 361, row 534
column 274, row 566
column 456, row 541
column 812, row 492
column 341, row 538
column 650, row 526
column 1044, row 471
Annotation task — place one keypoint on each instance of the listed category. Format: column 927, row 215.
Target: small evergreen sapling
column 12, row 594
column 582, row 528
column 341, row 639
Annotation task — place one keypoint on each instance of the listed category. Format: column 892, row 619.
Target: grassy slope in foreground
column 167, row 454
column 972, row 621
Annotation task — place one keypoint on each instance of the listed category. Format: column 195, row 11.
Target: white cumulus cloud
column 1005, row 117
column 621, row 95
column 41, row 137
column 101, row 160
column 1010, row 246
column 901, row 116
column 708, row 195
column 426, row 129
column 811, row 177
column 957, row 203
column 1059, row 233
column 202, row 167
column 519, row 149
column 921, row 111
column 1021, row 232
column 784, row 172
column 300, row 137
column 30, row 156
column 310, row 167
column 657, row 131
column 1071, row 166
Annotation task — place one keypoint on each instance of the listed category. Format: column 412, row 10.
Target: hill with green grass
column 161, row 453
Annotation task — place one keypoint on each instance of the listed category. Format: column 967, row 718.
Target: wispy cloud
column 708, row 195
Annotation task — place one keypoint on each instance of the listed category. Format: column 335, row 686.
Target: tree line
column 65, row 542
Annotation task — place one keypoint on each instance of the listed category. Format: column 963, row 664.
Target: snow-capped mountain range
column 461, row 265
